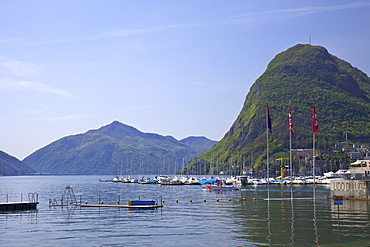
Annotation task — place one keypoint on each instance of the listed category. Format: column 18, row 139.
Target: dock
column 119, row 206
column 7, row 206
column 33, row 200
column 69, row 199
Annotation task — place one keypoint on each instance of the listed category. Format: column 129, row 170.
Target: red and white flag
column 315, row 124
column 290, row 120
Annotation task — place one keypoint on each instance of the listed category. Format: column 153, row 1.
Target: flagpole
column 313, row 159
column 268, row 128
column 267, row 148
column 290, row 144
column 314, row 130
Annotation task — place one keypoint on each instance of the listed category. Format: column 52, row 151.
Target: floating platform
column 119, row 206
column 69, row 199
column 7, row 206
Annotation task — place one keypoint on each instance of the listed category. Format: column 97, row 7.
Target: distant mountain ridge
column 11, row 166
column 198, row 142
column 116, row 148
column 301, row 76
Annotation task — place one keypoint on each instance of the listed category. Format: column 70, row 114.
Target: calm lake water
column 298, row 217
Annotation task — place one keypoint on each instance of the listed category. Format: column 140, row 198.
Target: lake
column 293, row 216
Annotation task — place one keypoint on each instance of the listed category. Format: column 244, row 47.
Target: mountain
column 11, row 166
column 302, row 75
column 115, row 149
column 198, row 142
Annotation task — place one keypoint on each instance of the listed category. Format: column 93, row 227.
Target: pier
column 119, row 206
column 31, row 204
column 69, row 199
column 7, row 206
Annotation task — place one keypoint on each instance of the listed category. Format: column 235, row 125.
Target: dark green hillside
column 303, row 75
column 11, row 166
column 113, row 149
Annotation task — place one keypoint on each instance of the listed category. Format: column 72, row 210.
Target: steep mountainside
column 113, row 149
column 10, row 166
column 302, row 75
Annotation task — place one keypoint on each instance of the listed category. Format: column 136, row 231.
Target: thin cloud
column 34, row 86
column 23, row 71
column 20, row 68
column 274, row 13
column 123, row 32
column 4, row 40
column 41, row 87
column 250, row 17
column 63, row 118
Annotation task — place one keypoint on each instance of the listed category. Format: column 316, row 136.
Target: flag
column 268, row 119
column 290, row 120
column 315, row 124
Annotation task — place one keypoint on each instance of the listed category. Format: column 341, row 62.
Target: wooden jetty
column 18, row 206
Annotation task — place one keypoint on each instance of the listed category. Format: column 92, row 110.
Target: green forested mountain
column 10, row 166
column 302, row 75
column 116, row 149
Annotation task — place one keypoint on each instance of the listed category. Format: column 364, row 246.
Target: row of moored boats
column 230, row 181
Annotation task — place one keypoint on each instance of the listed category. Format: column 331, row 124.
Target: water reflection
column 314, row 216
column 292, row 213
column 30, row 215
column 268, row 217
column 351, row 219
column 308, row 204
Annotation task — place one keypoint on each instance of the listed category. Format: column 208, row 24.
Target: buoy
column 163, row 201
column 177, row 201
column 229, row 199
column 118, row 202
column 254, row 199
column 244, row 199
column 217, row 200
column 86, row 202
column 70, row 203
column 190, row 200
column 102, row 202
column 205, row 200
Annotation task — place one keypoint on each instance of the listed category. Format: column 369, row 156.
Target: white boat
column 343, row 172
column 219, row 186
column 338, row 174
column 299, row 180
column 361, row 163
column 331, row 174
column 255, row 181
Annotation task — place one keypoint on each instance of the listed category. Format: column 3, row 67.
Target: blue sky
column 180, row 68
